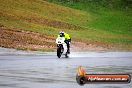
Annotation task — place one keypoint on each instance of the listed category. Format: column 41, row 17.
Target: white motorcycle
column 61, row 47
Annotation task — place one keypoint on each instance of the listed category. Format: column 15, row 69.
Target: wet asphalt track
column 24, row 69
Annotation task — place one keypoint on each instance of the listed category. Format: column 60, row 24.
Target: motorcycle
column 61, row 47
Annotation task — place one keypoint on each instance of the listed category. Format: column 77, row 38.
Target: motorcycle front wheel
column 59, row 51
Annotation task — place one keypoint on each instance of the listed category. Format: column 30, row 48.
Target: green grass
column 98, row 24
column 103, row 18
column 105, row 22
column 116, row 22
column 14, row 15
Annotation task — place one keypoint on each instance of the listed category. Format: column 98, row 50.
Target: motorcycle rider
column 67, row 39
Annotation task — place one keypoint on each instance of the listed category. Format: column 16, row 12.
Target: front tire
column 59, row 51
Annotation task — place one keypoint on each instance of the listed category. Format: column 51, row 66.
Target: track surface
column 24, row 69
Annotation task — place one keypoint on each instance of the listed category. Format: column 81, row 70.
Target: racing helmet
column 61, row 33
